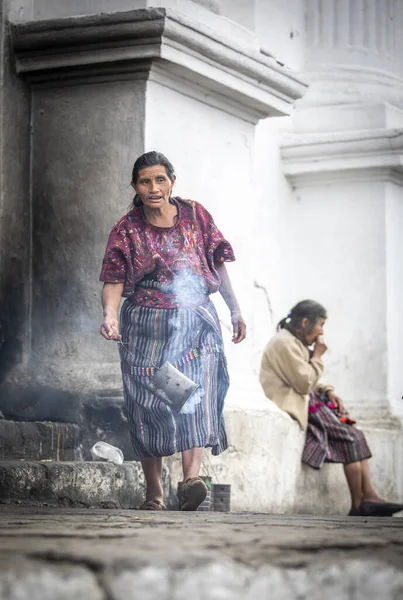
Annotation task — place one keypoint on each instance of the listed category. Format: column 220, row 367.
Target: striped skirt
column 189, row 338
column 329, row 440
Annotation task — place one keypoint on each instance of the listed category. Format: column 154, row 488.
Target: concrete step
column 39, row 440
column 99, row 418
column 75, row 484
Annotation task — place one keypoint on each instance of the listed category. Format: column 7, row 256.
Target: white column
column 344, row 160
column 354, row 51
column 354, row 32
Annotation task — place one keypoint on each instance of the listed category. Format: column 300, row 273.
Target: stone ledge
column 75, row 484
column 123, row 44
column 38, row 440
column 105, row 421
column 263, row 464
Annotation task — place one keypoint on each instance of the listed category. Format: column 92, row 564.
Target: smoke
column 190, row 406
column 189, row 290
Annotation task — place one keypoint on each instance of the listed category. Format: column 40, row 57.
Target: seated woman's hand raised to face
column 319, row 348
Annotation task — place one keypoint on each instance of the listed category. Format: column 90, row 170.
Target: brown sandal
column 153, row 505
column 192, row 493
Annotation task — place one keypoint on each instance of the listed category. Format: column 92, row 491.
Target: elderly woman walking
column 166, row 256
column 290, row 374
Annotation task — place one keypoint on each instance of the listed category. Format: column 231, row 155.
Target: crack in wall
column 266, row 296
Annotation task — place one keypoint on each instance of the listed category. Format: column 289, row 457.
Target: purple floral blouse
column 166, row 267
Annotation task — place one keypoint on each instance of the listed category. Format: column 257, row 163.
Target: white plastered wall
column 213, row 156
column 338, row 245
column 212, row 152
column 394, row 278
column 279, row 27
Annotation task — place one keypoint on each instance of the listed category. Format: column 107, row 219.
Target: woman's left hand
column 238, row 328
column 338, row 402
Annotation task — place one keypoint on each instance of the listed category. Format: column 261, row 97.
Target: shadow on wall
column 12, row 317
column 14, row 206
column 38, row 403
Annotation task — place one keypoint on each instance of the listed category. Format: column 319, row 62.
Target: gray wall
column 14, row 209
column 85, row 140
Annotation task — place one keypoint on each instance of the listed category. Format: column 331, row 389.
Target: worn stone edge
column 138, row 35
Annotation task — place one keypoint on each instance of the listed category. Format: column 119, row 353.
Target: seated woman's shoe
column 379, row 509
column 191, row 493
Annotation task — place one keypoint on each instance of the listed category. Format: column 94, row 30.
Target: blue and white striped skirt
column 189, row 338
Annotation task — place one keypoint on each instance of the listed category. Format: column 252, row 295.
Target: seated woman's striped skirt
column 189, row 338
column 330, row 440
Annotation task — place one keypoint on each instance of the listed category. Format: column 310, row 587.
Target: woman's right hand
column 110, row 329
column 319, row 348
column 238, row 328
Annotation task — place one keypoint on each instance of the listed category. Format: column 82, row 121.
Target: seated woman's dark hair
column 306, row 309
column 150, row 159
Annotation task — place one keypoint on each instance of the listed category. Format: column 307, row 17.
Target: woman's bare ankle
column 372, row 498
column 155, row 493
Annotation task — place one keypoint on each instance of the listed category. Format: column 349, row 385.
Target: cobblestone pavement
column 50, row 553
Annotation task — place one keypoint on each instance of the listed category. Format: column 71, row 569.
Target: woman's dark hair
column 306, row 309
column 150, row 159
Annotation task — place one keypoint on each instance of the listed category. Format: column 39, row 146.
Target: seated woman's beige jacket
column 288, row 375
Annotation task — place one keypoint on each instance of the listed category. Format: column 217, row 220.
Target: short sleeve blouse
column 136, row 248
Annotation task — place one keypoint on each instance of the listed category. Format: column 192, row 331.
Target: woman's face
column 310, row 333
column 154, row 186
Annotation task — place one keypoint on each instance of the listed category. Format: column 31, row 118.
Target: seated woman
column 290, row 373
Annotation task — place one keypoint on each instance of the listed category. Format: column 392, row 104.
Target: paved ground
column 115, row 554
